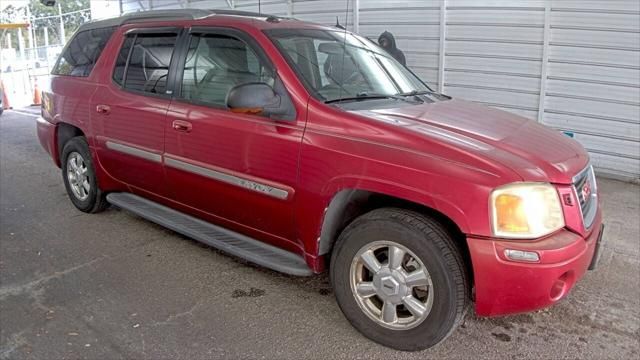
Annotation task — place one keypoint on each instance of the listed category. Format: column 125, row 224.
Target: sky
column 17, row 3
column 99, row 8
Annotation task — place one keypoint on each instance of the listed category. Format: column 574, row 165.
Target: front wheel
column 399, row 279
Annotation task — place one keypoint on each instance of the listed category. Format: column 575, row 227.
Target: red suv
column 301, row 148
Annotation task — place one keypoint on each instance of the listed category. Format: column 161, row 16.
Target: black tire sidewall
column 442, row 317
column 79, row 145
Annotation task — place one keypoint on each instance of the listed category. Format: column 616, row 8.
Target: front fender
column 321, row 215
column 422, row 197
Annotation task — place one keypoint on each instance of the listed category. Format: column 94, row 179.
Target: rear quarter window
column 82, row 53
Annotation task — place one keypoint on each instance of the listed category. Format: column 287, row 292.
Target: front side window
column 143, row 62
column 215, row 64
column 82, row 53
column 335, row 65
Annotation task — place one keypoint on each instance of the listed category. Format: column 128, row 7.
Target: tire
column 92, row 200
column 447, row 291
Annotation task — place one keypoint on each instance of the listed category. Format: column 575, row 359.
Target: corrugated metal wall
column 140, row 5
column 571, row 64
column 416, row 27
column 593, row 79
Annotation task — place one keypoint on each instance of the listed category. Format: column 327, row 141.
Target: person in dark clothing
column 388, row 42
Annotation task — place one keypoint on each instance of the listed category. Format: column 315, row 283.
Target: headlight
column 525, row 210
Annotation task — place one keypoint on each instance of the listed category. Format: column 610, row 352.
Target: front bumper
column 504, row 286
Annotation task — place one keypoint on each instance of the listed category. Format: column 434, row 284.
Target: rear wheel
column 399, row 279
column 79, row 177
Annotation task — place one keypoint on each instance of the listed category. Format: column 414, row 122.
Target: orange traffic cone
column 37, row 97
column 5, row 97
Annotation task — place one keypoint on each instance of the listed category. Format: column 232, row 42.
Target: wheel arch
column 349, row 203
column 64, row 133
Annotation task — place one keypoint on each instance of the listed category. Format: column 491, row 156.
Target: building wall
column 573, row 65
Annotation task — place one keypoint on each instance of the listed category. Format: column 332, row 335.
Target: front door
column 130, row 112
column 240, row 168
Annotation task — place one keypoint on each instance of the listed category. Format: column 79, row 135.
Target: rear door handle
column 103, row 109
column 181, row 125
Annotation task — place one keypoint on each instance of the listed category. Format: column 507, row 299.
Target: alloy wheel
column 78, row 177
column 391, row 285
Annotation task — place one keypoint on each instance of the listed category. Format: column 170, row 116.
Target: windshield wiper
column 365, row 96
column 416, row 92
column 430, row 94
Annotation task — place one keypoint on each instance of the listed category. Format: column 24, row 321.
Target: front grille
column 584, row 185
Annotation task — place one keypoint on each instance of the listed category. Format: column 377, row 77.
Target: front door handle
column 181, row 125
column 103, row 109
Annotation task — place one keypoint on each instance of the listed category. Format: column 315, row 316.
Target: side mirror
column 257, row 98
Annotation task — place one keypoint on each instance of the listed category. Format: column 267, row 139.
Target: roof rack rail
column 238, row 13
column 151, row 15
column 163, row 15
column 159, row 15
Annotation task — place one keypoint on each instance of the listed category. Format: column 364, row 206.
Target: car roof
column 202, row 17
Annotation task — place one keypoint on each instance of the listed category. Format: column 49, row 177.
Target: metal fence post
column 442, row 48
column 356, row 16
column 545, row 59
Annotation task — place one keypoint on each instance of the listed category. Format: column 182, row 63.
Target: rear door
column 239, row 167
column 130, row 112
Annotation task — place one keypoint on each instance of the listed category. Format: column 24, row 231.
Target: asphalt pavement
column 114, row 286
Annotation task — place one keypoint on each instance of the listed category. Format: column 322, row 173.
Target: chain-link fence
column 29, row 49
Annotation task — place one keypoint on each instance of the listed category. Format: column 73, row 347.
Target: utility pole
column 30, row 34
column 22, row 57
column 21, row 45
column 34, row 45
column 63, row 39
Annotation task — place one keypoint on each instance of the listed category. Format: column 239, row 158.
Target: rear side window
column 83, row 51
column 143, row 62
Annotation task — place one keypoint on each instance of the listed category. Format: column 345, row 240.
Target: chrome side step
column 226, row 240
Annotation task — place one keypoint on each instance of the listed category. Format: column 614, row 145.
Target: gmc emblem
column 586, row 190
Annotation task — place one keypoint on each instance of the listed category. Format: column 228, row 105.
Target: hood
column 533, row 151
column 389, row 36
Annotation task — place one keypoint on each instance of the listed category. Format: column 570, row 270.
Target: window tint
column 121, row 61
column 82, row 52
column 217, row 63
column 149, row 62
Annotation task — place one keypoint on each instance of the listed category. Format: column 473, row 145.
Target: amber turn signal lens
column 525, row 210
column 511, row 216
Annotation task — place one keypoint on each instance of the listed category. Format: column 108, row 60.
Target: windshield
column 337, row 65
